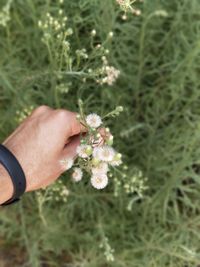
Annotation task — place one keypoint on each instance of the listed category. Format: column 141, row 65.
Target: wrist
column 6, row 185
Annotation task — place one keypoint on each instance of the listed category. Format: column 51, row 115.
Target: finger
column 70, row 149
column 40, row 110
column 69, row 152
column 73, row 126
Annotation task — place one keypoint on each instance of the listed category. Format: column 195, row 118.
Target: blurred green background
column 158, row 54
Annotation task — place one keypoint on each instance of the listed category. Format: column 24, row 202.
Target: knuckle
column 41, row 109
column 62, row 114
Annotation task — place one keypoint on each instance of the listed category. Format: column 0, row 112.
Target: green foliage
column 158, row 133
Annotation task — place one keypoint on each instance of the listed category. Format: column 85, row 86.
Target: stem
column 40, row 208
column 80, row 104
column 24, row 232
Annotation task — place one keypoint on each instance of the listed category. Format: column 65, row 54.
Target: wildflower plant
column 56, row 192
column 87, row 64
column 96, row 155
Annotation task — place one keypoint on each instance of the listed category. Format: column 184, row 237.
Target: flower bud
column 80, row 101
column 120, row 109
column 98, row 46
column 98, row 135
column 69, row 31
column 93, row 32
column 125, row 167
column 95, row 161
column 118, row 156
column 111, row 34
column 88, row 150
column 60, row 11
column 124, row 17
column 109, row 141
column 93, row 130
column 78, row 116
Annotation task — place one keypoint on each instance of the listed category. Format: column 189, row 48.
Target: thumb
column 69, row 152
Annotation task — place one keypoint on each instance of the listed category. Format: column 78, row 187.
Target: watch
column 14, row 169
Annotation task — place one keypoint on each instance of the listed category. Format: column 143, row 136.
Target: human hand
column 41, row 142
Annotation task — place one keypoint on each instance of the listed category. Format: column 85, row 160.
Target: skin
column 40, row 142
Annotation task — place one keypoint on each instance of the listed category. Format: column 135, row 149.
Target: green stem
column 40, row 208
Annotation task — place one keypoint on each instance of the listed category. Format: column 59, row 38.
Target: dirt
column 11, row 256
column 8, row 259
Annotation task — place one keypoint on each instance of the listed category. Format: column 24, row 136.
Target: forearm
column 6, row 186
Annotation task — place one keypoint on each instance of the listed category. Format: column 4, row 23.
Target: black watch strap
column 13, row 167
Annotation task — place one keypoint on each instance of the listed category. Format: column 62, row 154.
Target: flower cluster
column 24, row 113
column 63, row 88
column 105, row 74
column 82, row 53
column 57, row 192
column 5, row 14
column 95, row 153
column 108, row 251
column 55, row 25
column 127, row 6
column 110, row 74
column 135, row 183
column 58, row 36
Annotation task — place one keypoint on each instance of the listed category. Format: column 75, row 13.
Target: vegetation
column 136, row 222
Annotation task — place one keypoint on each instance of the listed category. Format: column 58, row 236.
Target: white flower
column 96, row 152
column 84, row 151
column 93, row 120
column 105, row 153
column 102, row 168
column 77, row 174
column 67, row 163
column 99, row 181
column 112, row 75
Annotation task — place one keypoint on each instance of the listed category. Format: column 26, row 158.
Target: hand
column 41, row 142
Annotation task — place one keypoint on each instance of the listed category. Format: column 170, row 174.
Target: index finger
column 72, row 124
